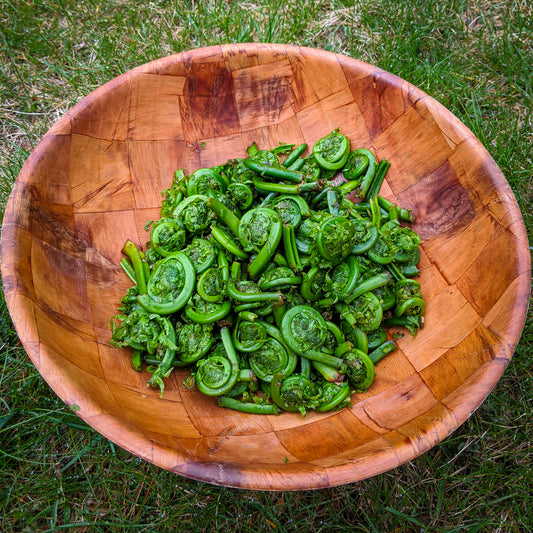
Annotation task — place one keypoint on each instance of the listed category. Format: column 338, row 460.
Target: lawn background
column 475, row 57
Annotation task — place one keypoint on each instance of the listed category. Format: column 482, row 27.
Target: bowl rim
column 287, row 477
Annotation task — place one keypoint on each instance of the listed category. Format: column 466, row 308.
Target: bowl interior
column 97, row 176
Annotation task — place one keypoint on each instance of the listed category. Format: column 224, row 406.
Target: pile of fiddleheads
column 269, row 284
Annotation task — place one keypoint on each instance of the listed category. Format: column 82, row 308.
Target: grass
column 475, row 57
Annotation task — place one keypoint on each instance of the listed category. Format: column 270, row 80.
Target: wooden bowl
column 96, row 178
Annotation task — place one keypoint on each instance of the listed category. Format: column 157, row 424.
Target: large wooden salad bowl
column 97, row 176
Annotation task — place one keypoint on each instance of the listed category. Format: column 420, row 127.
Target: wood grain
column 96, row 177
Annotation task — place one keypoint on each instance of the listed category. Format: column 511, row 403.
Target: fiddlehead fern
column 194, row 213
column 167, row 235
column 144, row 331
column 194, row 341
column 204, row 181
column 201, row 253
column 409, row 299
column 217, row 374
column 344, row 277
column 333, row 396
column 248, row 336
column 405, row 240
column 202, row 312
column 304, row 329
column 260, row 230
column 291, row 209
column 249, row 291
column 365, row 312
column 365, row 234
column 356, row 164
column 359, row 370
column 174, row 194
column 316, row 283
column 336, row 239
column 170, row 286
column 272, row 358
column 331, row 152
column 295, row 393
column 308, row 231
column 278, row 278
column 242, row 194
column 211, row 286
